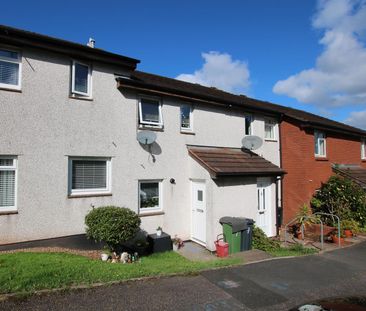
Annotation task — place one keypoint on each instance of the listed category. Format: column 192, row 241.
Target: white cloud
column 339, row 75
column 357, row 119
column 221, row 71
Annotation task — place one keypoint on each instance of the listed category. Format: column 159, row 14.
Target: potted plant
column 303, row 219
column 159, row 231
column 177, row 243
column 336, row 239
column 350, row 227
column 105, row 255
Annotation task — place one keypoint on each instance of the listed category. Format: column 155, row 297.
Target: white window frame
column 149, row 123
column 273, row 124
column 251, row 124
column 151, row 209
column 190, row 128
column 316, row 138
column 106, row 190
column 78, row 93
column 14, row 168
column 363, row 149
column 15, row 61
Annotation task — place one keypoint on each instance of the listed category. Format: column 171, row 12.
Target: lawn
column 294, row 250
column 28, row 272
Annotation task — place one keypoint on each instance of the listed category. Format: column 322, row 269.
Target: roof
column 353, row 172
column 148, row 82
column 223, row 161
column 14, row 36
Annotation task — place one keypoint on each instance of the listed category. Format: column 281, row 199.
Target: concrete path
column 271, row 285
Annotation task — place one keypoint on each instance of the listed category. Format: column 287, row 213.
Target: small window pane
column 200, row 195
column 149, row 195
column 9, row 73
column 248, row 125
column 81, row 78
column 6, row 162
column 89, row 174
column 8, row 54
column 7, row 188
column 185, row 112
column 150, row 110
column 269, row 129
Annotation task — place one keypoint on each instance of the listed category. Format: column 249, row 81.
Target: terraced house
column 70, row 116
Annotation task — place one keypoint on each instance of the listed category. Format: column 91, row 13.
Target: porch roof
column 223, row 161
column 353, row 172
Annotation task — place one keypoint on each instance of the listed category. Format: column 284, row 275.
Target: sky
column 306, row 54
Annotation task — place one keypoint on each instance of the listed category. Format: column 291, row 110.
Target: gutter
column 152, row 89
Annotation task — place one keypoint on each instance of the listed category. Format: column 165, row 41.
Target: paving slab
column 196, row 252
column 252, row 255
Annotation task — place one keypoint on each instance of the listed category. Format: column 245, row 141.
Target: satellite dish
column 146, row 137
column 252, row 142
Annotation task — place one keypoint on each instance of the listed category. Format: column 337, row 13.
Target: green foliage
column 262, row 242
column 27, row 272
column 350, row 224
column 343, row 198
column 112, row 225
column 304, row 217
column 294, row 250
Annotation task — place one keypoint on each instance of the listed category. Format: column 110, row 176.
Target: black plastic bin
column 247, row 235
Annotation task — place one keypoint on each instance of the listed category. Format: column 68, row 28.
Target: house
column 70, row 115
column 311, row 146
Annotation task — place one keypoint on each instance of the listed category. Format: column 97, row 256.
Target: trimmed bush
column 112, row 225
column 341, row 197
column 262, row 242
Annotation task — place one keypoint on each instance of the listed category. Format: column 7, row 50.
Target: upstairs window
column 248, row 125
column 150, row 112
column 363, row 149
column 320, row 144
column 89, row 176
column 8, row 171
column 186, row 118
column 269, row 129
column 10, row 69
column 81, row 79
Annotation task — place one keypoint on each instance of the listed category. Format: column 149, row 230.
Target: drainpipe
column 279, row 205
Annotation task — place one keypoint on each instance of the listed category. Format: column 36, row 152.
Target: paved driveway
column 271, row 285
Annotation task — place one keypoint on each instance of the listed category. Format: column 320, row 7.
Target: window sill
column 363, row 160
column 77, row 196
column 151, row 128
column 3, row 88
column 146, row 214
column 270, row 140
column 8, row 212
column 90, row 99
column 321, row 158
column 187, row 132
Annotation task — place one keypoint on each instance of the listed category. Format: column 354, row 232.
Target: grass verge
column 28, row 272
column 294, row 250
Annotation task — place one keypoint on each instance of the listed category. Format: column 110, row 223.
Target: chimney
column 91, row 43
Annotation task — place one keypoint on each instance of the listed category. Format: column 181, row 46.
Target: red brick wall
column 305, row 173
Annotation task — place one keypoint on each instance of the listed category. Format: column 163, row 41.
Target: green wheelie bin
column 232, row 230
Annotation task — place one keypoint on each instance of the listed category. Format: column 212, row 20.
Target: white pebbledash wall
column 42, row 126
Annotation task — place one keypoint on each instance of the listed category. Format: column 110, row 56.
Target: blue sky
column 253, row 43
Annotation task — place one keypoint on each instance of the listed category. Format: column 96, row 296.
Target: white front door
column 199, row 212
column 264, row 216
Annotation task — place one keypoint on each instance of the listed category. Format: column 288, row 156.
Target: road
column 271, row 285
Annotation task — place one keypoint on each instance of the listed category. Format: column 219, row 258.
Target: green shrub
column 112, row 225
column 341, row 197
column 262, row 242
column 350, row 224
